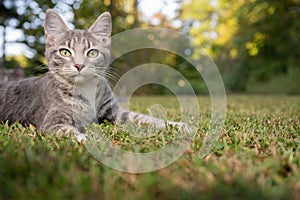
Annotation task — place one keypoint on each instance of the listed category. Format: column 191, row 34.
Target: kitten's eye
column 65, row 52
column 93, row 53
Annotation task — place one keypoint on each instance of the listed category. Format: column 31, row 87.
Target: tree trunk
column 136, row 13
column 3, row 56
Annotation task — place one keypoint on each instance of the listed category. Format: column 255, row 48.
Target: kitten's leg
column 62, row 123
column 67, row 130
column 108, row 108
column 113, row 112
column 124, row 116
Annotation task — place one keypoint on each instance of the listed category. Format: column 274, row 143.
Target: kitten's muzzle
column 79, row 66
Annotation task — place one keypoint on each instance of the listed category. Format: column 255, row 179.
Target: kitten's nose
column 79, row 67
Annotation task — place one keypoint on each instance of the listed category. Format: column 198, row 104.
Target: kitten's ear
column 54, row 26
column 102, row 26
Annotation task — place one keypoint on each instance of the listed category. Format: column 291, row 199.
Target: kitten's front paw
column 66, row 130
column 81, row 137
column 72, row 131
column 184, row 126
column 180, row 125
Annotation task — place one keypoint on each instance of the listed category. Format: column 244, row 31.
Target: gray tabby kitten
column 74, row 92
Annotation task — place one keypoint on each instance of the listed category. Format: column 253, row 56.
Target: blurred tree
column 124, row 13
column 29, row 19
column 269, row 37
column 254, row 43
column 162, row 19
column 212, row 24
column 8, row 13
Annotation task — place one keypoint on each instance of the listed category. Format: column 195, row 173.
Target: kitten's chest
column 84, row 102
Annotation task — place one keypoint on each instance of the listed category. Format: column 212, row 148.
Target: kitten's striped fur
column 74, row 92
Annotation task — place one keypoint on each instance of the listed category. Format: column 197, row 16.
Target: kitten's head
column 77, row 55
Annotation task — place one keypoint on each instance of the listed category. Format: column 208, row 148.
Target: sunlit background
column 255, row 44
column 147, row 9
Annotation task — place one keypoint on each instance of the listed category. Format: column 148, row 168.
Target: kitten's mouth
column 79, row 74
column 81, row 77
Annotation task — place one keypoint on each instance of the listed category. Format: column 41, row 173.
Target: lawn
column 256, row 157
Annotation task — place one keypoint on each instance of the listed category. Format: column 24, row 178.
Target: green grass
column 257, row 157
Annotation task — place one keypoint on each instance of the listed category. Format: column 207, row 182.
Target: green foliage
column 268, row 34
column 257, row 157
column 254, row 43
